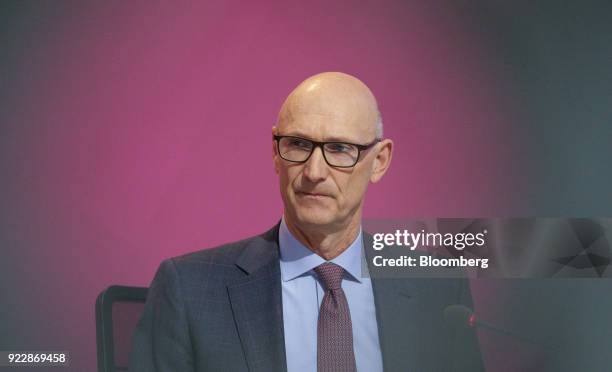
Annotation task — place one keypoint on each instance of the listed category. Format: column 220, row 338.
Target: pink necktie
column 334, row 330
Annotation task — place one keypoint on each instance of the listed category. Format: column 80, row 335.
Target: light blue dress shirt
column 302, row 295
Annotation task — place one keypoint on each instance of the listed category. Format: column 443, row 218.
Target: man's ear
column 382, row 161
column 275, row 157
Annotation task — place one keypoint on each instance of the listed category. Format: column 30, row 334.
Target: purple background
column 132, row 132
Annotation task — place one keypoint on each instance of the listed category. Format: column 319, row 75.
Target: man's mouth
column 313, row 195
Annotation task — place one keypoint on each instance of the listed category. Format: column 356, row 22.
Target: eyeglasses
column 336, row 154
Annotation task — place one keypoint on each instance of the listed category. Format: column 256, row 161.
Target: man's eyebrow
column 326, row 139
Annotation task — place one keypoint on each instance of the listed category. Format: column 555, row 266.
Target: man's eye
column 298, row 143
column 338, row 147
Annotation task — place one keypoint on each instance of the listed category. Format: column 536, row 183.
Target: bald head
column 331, row 97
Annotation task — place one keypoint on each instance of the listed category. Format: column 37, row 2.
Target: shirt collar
column 297, row 260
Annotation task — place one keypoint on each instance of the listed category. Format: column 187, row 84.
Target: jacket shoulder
column 225, row 254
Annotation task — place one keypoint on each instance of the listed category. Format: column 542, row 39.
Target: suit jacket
column 221, row 310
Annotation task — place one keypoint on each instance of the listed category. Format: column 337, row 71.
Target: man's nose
column 316, row 168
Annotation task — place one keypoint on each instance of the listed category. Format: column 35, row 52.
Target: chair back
column 118, row 310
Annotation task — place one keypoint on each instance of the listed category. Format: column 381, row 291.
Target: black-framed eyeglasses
column 336, row 154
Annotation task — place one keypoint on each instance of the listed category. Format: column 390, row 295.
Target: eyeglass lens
column 336, row 153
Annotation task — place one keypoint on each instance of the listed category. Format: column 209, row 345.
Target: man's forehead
column 330, row 105
column 327, row 127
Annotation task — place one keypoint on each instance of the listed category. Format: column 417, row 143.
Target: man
column 294, row 298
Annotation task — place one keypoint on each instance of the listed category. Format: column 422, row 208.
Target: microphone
column 459, row 316
column 462, row 317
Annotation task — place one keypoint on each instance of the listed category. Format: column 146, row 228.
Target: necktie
column 334, row 330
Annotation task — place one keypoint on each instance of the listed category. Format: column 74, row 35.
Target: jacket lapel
column 398, row 316
column 257, row 305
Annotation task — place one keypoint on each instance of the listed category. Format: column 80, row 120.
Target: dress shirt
column 302, row 294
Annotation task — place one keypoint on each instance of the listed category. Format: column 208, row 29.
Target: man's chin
column 308, row 218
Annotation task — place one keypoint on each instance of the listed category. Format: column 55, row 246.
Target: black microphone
column 462, row 317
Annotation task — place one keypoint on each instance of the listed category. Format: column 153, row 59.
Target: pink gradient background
column 123, row 135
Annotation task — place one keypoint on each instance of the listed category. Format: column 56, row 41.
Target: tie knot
column 331, row 275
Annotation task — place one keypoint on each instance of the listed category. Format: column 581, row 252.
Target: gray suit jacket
column 221, row 310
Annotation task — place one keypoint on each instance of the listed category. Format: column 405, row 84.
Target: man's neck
column 328, row 244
